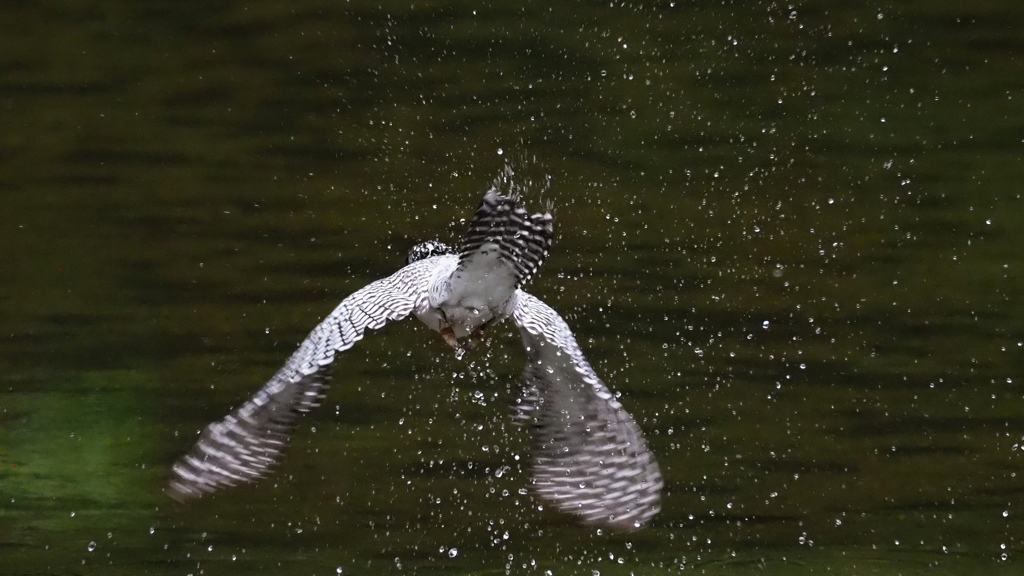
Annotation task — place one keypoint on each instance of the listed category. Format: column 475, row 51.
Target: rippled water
column 790, row 237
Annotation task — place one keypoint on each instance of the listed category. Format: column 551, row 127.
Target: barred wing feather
column 589, row 457
column 247, row 443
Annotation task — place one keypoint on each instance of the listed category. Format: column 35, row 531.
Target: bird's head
column 428, row 249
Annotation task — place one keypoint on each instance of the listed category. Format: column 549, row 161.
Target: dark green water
column 791, row 236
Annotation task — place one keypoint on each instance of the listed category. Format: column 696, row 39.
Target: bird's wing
column 589, row 456
column 248, row 442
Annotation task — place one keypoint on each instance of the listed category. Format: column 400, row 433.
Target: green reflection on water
column 790, row 237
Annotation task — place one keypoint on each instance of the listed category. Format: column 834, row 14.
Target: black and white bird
column 588, row 456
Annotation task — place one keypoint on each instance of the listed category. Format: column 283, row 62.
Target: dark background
column 789, row 234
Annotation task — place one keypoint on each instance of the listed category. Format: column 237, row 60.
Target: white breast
column 479, row 290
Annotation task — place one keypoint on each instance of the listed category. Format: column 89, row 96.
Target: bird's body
column 589, row 456
column 462, row 300
column 471, row 301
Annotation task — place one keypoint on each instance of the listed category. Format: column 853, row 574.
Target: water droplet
column 91, row 546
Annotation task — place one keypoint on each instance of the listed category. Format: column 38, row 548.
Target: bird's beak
column 449, row 337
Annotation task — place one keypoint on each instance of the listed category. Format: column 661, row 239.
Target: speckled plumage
column 589, row 457
column 249, row 441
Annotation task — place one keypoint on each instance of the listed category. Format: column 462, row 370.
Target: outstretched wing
column 589, row 456
column 248, row 442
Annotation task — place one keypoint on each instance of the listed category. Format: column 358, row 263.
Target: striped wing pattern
column 523, row 239
column 589, row 457
column 247, row 443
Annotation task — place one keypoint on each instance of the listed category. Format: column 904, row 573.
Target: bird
column 588, row 456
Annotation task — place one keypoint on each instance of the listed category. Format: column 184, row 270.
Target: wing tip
column 181, row 493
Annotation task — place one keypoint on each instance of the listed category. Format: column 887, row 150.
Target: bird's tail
column 523, row 239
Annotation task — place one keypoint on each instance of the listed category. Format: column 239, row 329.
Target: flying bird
column 588, row 456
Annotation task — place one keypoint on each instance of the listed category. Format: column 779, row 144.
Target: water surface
column 789, row 236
